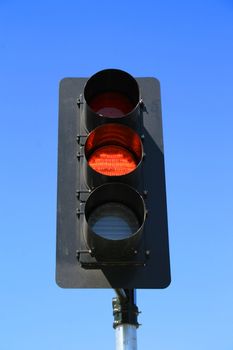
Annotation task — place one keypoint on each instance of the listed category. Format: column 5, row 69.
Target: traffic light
column 111, row 205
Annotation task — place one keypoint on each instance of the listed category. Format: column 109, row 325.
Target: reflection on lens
column 113, row 221
column 111, row 104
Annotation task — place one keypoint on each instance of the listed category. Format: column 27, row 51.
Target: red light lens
column 113, row 150
column 112, row 160
column 111, row 104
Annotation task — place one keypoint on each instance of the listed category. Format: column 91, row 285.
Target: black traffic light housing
column 111, row 207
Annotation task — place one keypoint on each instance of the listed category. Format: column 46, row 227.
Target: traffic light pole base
column 125, row 312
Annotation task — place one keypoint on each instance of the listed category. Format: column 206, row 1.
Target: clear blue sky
column 188, row 46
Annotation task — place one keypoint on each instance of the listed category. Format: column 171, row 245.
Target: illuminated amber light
column 113, row 150
column 112, row 160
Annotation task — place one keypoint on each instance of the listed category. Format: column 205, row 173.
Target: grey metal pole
column 126, row 337
column 125, row 313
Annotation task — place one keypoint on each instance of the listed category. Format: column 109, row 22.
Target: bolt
column 147, row 252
